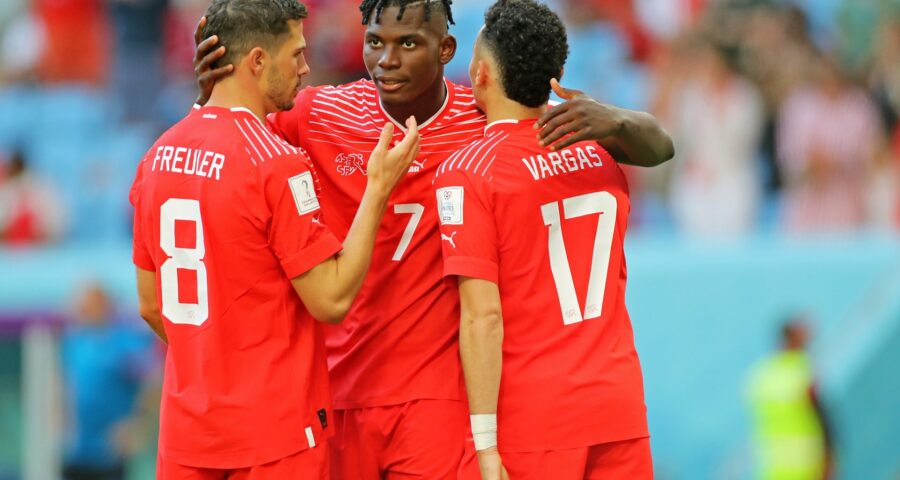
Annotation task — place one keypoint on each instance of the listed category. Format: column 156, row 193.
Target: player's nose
column 390, row 59
column 304, row 67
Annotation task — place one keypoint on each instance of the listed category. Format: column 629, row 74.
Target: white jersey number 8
column 604, row 204
column 182, row 258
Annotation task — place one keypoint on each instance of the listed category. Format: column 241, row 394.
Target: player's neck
column 502, row 108
column 231, row 93
column 424, row 107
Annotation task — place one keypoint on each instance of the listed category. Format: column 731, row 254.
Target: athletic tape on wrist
column 484, row 430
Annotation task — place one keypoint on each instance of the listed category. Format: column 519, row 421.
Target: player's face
column 287, row 67
column 405, row 57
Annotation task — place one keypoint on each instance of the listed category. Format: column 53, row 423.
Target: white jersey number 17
column 604, row 204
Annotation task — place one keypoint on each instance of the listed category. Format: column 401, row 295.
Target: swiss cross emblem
column 349, row 163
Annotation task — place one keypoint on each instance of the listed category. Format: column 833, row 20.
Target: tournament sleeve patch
column 304, row 192
column 450, row 205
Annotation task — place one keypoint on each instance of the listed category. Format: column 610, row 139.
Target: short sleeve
column 296, row 234
column 468, row 229
column 140, row 255
column 288, row 124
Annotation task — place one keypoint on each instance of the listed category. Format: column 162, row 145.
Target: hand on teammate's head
column 207, row 53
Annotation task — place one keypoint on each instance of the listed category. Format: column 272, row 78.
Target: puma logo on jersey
column 316, row 221
column 449, row 239
column 350, row 163
column 417, row 167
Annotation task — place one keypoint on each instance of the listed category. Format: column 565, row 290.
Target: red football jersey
column 399, row 341
column 548, row 228
column 226, row 214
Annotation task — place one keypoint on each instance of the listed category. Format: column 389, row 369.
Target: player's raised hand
column 579, row 118
column 206, row 54
column 491, row 465
column 387, row 167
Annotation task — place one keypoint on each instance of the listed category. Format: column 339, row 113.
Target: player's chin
column 400, row 97
column 285, row 105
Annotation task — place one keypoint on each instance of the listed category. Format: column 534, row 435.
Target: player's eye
column 409, row 44
column 374, row 43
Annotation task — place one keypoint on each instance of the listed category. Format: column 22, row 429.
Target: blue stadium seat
column 18, row 107
column 72, row 110
column 100, row 211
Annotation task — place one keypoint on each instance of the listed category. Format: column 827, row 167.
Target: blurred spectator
column 884, row 82
column 666, row 19
column 718, row 121
column 137, row 68
column 22, row 46
column 791, row 433
column 776, row 52
column 76, row 41
column 104, row 365
column 30, row 211
column 828, row 136
column 884, row 74
column 335, row 35
column 9, row 9
column 625, row 16
column 180, row 89
column 601, row 57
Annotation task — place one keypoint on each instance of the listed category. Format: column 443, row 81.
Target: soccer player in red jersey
column 394, row 362
column 234, row 263
column 534, row 237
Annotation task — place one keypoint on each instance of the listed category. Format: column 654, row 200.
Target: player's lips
column 390, row 84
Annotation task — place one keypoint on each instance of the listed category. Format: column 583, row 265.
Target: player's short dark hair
column 244, row 24
column 374, row 7
column 529, row 43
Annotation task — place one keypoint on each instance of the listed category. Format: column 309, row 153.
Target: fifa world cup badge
column 304, row 193
column 450, row 205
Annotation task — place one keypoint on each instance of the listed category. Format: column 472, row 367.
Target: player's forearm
column 353, row 262
column 147, row 301
column 481, row 350
column 641, row 140
column 151, row 315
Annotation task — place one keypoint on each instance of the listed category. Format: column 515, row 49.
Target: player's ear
column 257, row 59
column 448, row 49
column 482, row 72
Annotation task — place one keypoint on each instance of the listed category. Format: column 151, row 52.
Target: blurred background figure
column 21, row 44
column 30, row 211
column 829, row 136
column 76, row 39
column 790, row 430
column 717, row 124
column 884, row 83
column 105, row 364
column 137, row 67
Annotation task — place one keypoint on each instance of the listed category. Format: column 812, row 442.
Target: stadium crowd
column 784, row 113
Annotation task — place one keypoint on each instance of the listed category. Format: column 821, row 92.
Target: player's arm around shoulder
column 329, row 288
column 631, row 137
